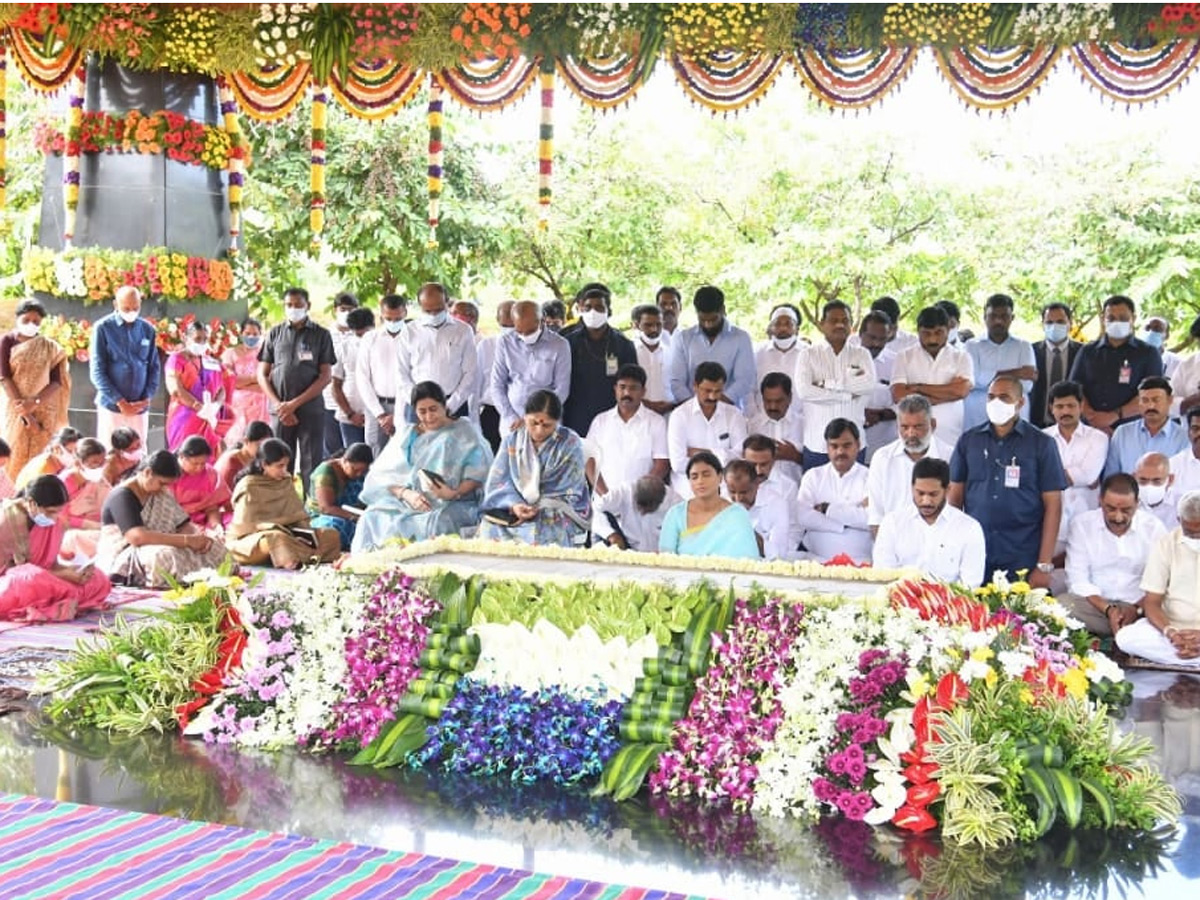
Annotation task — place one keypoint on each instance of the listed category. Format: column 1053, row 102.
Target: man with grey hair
column 889, row 481
column 1170, row 632
column 124, row 366
column 530, row 358
column 630, row 516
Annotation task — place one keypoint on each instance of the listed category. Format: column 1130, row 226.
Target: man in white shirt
column 1107, row 549
column 630, row 516
column 1170, row 632
column 670, row 302
column 1156, row 492
column 704, row 423
column 832, row 504
column 377, row 371
column 647, row 339
column 528, row 359
column 630, row 438
column 1082, row 450
column 873, row 334
column 759, row 450
column 779, row 352
column 898, row 338
column 343, row 304
column 930, row 535
column 773, row 526
column 1155, row 332
column 485, row 347
column 351, row 414
column 779, row 419
column 436, row 348
column 889, row 477
column 833, row 381
column 940, row 373
column 1185, row 465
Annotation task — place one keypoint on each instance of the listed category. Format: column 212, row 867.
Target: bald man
column 530, row 358
column 124, row 366
column 1156, row 483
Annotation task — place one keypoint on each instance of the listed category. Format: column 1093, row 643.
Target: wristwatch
column 1047, row 568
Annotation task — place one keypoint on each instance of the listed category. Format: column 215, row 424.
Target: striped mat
column 58, row 850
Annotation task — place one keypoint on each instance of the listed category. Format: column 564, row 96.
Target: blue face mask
column 393, row 326
column 1056, row 332
column 42, row 520
column 251, row 340
column 1153, row 338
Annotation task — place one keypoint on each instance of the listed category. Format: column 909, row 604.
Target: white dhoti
column 1144, row 640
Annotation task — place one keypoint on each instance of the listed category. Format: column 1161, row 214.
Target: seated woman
column 708, row 524
column 536, row 490
column 270, row 524
column 237, row 459
column 146, row 537
column 199, row 490
column 400, row 501
column 125, row 452
column 7, row 489
column 56, row 457
column 34, row 586
column 87, row 491
column 196, row 385
column 335, row 484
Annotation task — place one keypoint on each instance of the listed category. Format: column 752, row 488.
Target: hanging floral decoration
column 93, row 275
column 604, row 30
column 381, row 29
column 124, row 30
column 237, row 158
column 181, row 139
column 1180, row 20
column 282, row 34
column 191, row 43
column 435, row 158
column 41, row 19
column 1063, row 23
column 71, row 158
column 316, row 216
column 546, row 145
column 72, row 334
column 822, row 26
column 696, row 29
column 492, row 29
column 3, row 122
column 954, row 24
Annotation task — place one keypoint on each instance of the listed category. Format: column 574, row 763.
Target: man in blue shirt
column 1154, row 432
column 1007, row 475
column 997, row 353
column 124, row 366
column 529, row 358
column 712, row 339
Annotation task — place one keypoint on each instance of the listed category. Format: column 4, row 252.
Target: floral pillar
column 71, row 157
column 435, row 158
column 236, row 166
column 546, row 143
column 3, row 120
column 316, row 215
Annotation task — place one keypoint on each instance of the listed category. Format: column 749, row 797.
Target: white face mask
column 507, row 329
column 1191, row 543
column 999, row 412
column 131, row 456
column 296, row 313
column 393, row 326
column 651, row 341
column 197, row 349
column 1152, row 494
column 952, row 336
column 785, row 344
column 531, row 338
column 594, row 318
column 1056, row 332
column 342, row 317
column 28, row 329
column 434, row 320
column 129, row 317
column 93, row 475
column 1118, row 331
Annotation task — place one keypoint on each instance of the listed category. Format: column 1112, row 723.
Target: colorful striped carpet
column 59, row 850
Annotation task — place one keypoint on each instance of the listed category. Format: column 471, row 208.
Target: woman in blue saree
column 708, row 524
column 427, row 480
column 537, row 492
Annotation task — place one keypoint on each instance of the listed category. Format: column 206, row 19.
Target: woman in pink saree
column 87, row 489
column 196, row 385
column 34, row 586
column 241, row 367
column 200, row 491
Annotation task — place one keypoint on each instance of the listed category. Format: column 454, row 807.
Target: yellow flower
column 982, row 654
column 920, row 686
column 1076, row 682
column 1026, row 695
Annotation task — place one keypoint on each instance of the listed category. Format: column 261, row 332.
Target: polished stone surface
column 645, row 842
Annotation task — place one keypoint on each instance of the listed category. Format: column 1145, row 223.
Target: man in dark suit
column 1054, row 356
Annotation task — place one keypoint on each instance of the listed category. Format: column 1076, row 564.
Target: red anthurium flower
column 912, row 819
column 920, row 774
column 951, row 690
column 921, row 795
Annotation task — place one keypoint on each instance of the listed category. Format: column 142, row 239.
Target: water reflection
column 652, row 842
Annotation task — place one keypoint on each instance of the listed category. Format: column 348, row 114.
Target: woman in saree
column 124, row 454
column 7, row 488
column 335, row 485
column 146, row 538
column 237, row 459
column 270, row 525
column 199, row 490
column 196, row 386
column 34, row 585
column 35, row 387
column 536, row 491
column 60, row 455
column 87, row 490
column 249, row 403
column 401, row 498
column 707, row 524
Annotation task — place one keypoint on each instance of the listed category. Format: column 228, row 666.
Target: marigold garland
column 3, row 122
column 492, row 29
column 237, row 158
column 697, row 29
column 316, row 216
column 191, row 40
column 546, row 145
column 435, row 158
column 124, row 30
column 381, row 29
column 956, row 24
column 93, row 275
column 181, row 139
column 71, row 159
